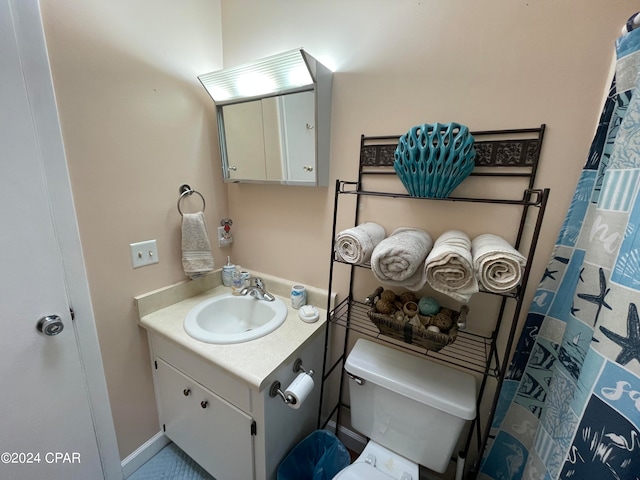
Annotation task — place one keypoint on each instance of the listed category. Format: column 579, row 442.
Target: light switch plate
column 144, row 253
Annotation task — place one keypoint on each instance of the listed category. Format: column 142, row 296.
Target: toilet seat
column 379, row 463
column 361, row 471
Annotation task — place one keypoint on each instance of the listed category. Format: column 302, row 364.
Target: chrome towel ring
column 185, row 191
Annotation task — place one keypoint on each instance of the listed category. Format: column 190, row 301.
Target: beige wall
column 137, row 124
column 486, row 64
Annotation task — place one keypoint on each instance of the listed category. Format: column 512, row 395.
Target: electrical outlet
column 144, row 253
column 224, row 239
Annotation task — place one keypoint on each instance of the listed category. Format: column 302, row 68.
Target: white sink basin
column 234, row 319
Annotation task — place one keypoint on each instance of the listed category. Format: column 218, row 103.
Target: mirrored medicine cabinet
column 274, row 118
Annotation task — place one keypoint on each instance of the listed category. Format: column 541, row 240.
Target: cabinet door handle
column 186, row 392
column 204, row 404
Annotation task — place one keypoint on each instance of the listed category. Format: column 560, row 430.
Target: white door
column 46, row 425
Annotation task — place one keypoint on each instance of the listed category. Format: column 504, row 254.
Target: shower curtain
column 569, row 407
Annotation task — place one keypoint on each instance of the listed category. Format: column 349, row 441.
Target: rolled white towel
column 356, row 244
column 497, row 264
column 397, row 260
column 449, row 266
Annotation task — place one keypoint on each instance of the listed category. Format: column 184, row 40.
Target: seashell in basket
column 410, row 309
column 431, row 160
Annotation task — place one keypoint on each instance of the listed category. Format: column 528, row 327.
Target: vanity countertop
column 253, row 361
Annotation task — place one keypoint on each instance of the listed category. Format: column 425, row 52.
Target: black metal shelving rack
column 499, row 153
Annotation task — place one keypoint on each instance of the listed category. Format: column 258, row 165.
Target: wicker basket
column 414, row 335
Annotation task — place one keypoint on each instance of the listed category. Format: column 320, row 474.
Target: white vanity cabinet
column 190, row 412
column 234, row 430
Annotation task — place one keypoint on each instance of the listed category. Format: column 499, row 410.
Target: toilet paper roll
column 299, row 390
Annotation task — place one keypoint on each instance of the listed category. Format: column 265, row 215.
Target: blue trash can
column 319, row 456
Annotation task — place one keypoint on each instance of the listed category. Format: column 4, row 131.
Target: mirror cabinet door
column 298, row 132
column 272, row 139
column 244, row 141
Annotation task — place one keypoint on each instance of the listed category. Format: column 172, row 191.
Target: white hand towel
column 197, row 259
column 398, row 259
column 498, row 265
column 355, row 245
column 449, row 266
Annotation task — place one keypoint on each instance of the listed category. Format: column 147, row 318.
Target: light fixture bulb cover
column 274, row 75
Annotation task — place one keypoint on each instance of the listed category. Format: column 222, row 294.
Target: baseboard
column 352, row 440
column 144, row 453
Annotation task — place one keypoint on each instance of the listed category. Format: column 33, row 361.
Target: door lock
column 50, row 325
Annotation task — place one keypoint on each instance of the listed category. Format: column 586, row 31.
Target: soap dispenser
column 227, row 273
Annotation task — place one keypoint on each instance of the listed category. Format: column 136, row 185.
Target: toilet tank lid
column 420, row 379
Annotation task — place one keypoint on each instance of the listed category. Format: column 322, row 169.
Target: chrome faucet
column 256, row 290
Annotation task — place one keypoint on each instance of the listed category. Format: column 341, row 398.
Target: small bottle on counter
column 246, row 278
column 298, row 296
column 237, row 282
column 227, row 273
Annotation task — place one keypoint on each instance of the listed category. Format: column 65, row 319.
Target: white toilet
column 412, row 410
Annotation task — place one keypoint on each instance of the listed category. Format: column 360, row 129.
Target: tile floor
column 171, row 463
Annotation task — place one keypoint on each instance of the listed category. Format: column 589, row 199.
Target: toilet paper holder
column 275, row 389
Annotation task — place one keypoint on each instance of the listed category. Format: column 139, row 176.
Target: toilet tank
column 411, row 405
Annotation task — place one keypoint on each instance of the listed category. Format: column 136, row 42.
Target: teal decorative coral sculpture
column 433, row 159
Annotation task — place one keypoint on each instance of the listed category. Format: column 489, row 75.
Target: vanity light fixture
column 288, row 72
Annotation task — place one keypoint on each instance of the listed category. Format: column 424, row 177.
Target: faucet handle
column 258, row 282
